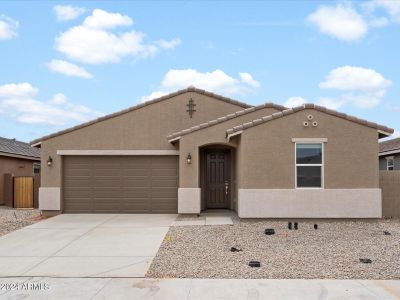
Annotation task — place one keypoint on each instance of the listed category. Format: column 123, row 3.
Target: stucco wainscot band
column 310, row 203
column 49, row 198
column 189, row 200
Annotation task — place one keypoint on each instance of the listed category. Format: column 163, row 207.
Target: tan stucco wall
column 216, row 134
column 142, row 129
column 266, row 156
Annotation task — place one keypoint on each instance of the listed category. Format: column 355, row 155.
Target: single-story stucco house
column 193, row 150
column 389, row 155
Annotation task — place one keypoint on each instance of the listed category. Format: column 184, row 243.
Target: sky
column 64, row 63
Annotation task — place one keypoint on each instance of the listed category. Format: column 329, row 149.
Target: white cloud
column 101, row 19
column 67, row 12
column 248, row 79
column 17, row 101
column 153, row 95
column 94, row 43
column 341, row 22
column 216, row 81
column 294, row 101
column 378, row 22
column 69, row 69
column 364, row 88
column 354, row 78
column 330, row 103
column 8, row 28
column 168, row 44
column 58, row 99
column 391, row 7
column 18, row 90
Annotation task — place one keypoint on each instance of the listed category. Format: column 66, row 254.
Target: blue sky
column 62, row 63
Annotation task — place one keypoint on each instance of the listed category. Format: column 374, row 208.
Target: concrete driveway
column 84, row 245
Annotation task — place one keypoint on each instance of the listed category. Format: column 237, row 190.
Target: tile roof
column 390, row 145
column 189, row 89
column 224, row 118
column 308, row 106
column 12, row 146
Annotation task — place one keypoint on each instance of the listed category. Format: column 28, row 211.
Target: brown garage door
column 120, row 184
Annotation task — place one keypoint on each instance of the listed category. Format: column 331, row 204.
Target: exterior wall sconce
column 49, row 161
column 189, row 159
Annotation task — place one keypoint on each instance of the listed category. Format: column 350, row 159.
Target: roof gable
column 383, row 130
column 141, row 105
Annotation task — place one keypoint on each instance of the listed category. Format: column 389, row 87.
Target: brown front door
column 217, row 179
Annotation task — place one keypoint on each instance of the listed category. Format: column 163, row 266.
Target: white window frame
column 387, row 163
column 322, row 165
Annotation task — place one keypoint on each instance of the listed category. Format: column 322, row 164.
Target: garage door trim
column 95, row 182
column 117, row 152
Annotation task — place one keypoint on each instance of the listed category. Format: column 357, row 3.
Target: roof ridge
column 224, row 118
column 309, row 106
column 140, row 105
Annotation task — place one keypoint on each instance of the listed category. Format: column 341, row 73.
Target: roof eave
column 383, row 134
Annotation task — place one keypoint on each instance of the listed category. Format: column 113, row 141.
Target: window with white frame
column 309, row 165
column 390, row 163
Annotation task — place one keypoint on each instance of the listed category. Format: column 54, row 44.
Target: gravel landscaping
column 13, row 219
column 332, row 251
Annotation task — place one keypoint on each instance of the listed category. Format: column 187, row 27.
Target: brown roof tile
column 225, row 118
column 390, row 145
column 124, row 111
column 310, row 106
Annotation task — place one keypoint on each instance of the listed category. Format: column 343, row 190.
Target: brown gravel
column 332, row 251
column 13, row 219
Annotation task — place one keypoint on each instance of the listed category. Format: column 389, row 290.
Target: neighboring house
column 17, row 158
column 193, row 150
column 389, row 155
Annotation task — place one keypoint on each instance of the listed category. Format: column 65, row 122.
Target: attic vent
column 310, row 117
column 305, row 124
column 314, row 124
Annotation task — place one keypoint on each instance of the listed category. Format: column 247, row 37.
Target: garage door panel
column 164, row 193
column 106, row 183
column 141, row 172
column 164, row 172
column 164, row 182
column 77, row 172
column 77, row 193
column 137, row 182
column 77, row 182
column 107, row 172
column 127, row 184
column 107, row 193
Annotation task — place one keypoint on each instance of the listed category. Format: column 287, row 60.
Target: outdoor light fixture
column 189, row 159
column 49, row 161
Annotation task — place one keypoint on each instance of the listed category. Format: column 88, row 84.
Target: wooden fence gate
column 23, row 192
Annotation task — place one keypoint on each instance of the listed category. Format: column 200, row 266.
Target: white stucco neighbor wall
column 312, row 203
column 189, row 200
column 49, row 198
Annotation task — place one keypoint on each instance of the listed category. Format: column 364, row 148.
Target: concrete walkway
column 203, row 289
column 84, row 245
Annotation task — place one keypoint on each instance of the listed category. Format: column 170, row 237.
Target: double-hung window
column 390, row 163
column 309, row 165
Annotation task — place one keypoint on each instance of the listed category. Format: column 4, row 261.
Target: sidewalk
column 199, row 289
